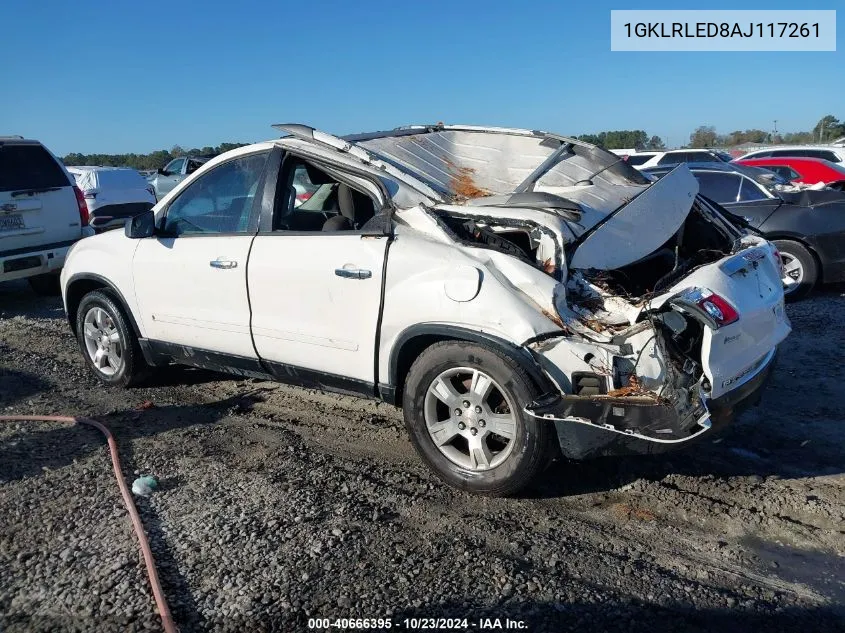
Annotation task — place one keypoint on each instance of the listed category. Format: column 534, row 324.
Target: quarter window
column 750, row 191
column 219, row 201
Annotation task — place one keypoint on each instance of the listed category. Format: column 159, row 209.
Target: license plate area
column 21, row 263
column 12, row 222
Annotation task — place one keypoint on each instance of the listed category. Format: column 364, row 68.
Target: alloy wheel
column 793, row 273
column 102, row 341
column 470, row 418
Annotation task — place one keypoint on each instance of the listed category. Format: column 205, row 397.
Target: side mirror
column 161, row 171
column 141, row 226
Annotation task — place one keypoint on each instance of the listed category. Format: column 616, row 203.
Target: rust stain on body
column 463, row 185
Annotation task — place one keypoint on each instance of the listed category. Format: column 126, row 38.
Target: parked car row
column 520, row 294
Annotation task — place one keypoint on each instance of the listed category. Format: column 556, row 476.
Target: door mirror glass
column 141, row 226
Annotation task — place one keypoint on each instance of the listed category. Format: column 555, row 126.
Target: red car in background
column 807, row 171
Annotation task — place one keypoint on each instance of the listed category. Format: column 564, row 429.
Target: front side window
column 672, row 158
column 175, row 166
column 721, row 188
column 311, row 199
column 219, row 201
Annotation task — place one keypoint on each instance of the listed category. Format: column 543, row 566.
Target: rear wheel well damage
column 414, row 341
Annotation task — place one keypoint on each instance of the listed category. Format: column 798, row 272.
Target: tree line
column 829, row 128
column 153, row 160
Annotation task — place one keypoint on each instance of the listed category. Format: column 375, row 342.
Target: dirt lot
column 280, row 504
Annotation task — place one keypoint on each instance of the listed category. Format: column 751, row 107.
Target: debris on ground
column 144, row 486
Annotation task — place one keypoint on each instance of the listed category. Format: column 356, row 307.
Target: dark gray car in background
column 808, row 226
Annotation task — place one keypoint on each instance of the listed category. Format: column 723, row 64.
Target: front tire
column 801, row 269
column 463, row 407
column 107, row 341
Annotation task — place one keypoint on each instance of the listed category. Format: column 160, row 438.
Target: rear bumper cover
column 596, row 427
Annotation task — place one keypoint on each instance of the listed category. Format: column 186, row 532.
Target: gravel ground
column 279, row 504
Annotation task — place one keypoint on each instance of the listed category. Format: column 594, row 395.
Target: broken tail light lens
column 722, row 312
column 83, row 206
column 708, row 306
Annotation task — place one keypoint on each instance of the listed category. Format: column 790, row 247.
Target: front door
column 190, row 278
column 315, row 282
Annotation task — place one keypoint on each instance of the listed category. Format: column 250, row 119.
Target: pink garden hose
column 152, row 573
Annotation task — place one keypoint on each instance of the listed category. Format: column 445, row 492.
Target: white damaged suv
column 519, row 294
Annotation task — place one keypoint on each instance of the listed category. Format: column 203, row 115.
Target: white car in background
column 113, row 194
column 833, row 153
column 42, row 213
column 642, row 160
column 519, row 294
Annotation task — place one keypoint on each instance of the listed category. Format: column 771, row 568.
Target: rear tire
column 455, row 383
column 107, row 341
column 45, row 285
column 802, row 270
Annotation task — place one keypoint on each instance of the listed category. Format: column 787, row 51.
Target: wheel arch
column 81, row 284
column 800, row 239
column 414, row 340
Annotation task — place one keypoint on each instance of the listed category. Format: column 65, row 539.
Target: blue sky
column 119, row 77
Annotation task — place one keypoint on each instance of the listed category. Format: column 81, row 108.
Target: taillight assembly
column 713, row 309
column 83, row 206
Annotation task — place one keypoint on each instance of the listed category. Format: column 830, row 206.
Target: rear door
column 37, row 204
column 315, row 287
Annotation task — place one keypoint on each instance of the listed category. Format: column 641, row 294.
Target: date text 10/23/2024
column 418, row 624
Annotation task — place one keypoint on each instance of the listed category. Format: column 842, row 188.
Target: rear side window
column 721, row 188
column 783, row 171
column 823, row 154
column 29, row 167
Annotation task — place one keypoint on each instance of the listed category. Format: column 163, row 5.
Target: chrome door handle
column 223, row 263
column 353, row 273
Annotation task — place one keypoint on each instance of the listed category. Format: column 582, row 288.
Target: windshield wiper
column 33, row 191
